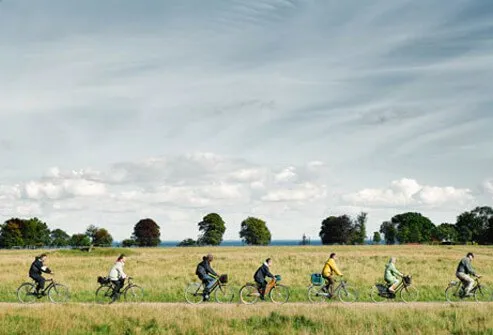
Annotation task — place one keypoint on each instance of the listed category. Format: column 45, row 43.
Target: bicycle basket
column 317, row 279
column 103, row 280
column 407, row 280
column 223, row 279
column 278, row 277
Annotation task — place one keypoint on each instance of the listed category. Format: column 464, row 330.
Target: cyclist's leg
column 393, row 285
column 208, row 282
column 117, row 285
column 40, row 281
column 330, row 285
column 467, row 281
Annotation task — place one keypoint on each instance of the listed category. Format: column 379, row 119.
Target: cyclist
column 204, row 272
column 117, row 276
column 35, row 271
column 330, row 269
column 262, row 272
column 464, row 269
column 391, row 274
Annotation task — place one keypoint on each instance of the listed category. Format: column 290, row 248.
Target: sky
column 286, row 110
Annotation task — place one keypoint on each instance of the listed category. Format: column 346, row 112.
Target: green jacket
column 391, row 272
column 465, row 267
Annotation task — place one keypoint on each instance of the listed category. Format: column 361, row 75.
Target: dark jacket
column 466, row 267
column 204, row 268
column 261, row 273
column 37, row 268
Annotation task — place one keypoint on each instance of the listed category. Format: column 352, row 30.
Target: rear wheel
column 409, row 294
column 26, row 293
column 317, row 295
column 194, row 293
column 347, row 294
column 279, row 294
column 452, row 293
column 134, row 293
column 59, row 293
column 103, row 294
column 249, row 294
column 482, row 294
column 224, row 294
column 376, row 295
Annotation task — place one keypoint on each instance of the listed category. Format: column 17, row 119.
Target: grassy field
column 165, row 272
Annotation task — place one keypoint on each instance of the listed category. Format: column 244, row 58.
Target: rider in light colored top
column 391, row 274
column 117, row 275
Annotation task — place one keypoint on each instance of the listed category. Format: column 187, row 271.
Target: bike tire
column 249, row 294
column 279, row 294
column 347, row 295
column 317, row 295
column 409, row 294
column 26, row 293
column 452, row 293
column 376, row 297
column 59, row 293
column 194, row 293
column 134, row 293
column 224, row 294
column 104, row 294
column 482, row 294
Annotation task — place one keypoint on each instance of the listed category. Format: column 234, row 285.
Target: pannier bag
column 317, row 279
column 103, row 280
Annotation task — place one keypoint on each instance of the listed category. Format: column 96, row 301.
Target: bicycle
column 455, row 292
column 407, row 292
column 56, row 292
column 318, row 293
column 106, row 291
column 194, row 292
column 278, row 293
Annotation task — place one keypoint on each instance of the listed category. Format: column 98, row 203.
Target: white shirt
column 116, row 271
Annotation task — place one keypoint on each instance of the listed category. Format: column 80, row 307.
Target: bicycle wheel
column 279, row 294
column 376, row 296
column 26, row 293
column 452, row 293
column 134, row 293
column 317, row 295
column 249, row 294
column 347, row 294
column 224, row 294
column 482, row 294
column 59, row 293
column 103, row 294
column 193, row 293
column 409, row 294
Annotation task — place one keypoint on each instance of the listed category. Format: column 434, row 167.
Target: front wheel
column 59, row 293
column 409, row 294
column 194, row 293
column 377, row 296
column 249, row 294
column 134, row 293
column 482, row 294
column 279, row 294
column 26, row 293
column 224, row 294
column 452, row 293
column 347, row 294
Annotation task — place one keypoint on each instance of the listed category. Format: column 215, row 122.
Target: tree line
column 475, row 226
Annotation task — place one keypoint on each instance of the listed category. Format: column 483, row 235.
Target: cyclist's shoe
column 114, row 297
column 262, row 297
column 206, row 297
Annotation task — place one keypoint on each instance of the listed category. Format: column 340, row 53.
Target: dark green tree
column 59, row 238
column 474, row 226
column 255, row 232
column 79, row 240
column 147, row 233
column 187, row 243
column 413, row 228
column 127, row 243
column 91, row 232
column 389, row 230
column 446, row 232
column 377, row 238
column 10, row 234
column 35, row 232
column 212, row 228
column 358, row 234
column 336, row 229
column 102, row 238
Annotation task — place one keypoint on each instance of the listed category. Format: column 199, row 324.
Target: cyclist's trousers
column 118, row 284
column 468, row 281
column 40, row 280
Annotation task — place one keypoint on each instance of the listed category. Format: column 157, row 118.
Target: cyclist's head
column 209, row 257
column 268, row 261
column 392, row 260
column 333, row 255
column 121, row 258
column 43, row 257
column 470, row 255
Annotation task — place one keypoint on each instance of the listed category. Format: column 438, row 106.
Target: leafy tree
column 147, row 233
column 389, row 230
column 212, row 227
column 358, row 234
column 102, row 238
column 474, row 226
column 255, row 232
column 336, row 229
column 10, row 234
column 187, row 243
column 127, row 243
column 91, row 232
column 446, row 232
column 80, row 240
column 413, row 228
column 59, row 238
column 377, row 238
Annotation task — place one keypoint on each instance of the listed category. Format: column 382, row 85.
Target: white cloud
column 58, row 189
column 303, row 192
column 286, row 175
column 408, row 192
column 488, row 186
